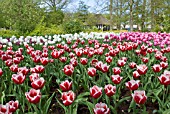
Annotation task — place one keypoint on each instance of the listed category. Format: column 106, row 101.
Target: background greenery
column 41, row 17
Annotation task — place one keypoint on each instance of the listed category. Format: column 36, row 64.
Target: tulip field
column 95, row 73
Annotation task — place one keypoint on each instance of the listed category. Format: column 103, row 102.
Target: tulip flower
column 44, row 61
column 23, row 70
column 68, row 70
column 142, row 69
column 73, row 62
column 165, row 78
column 63, row 59
column 66, row 85
column 55, row 54
column 145, row 60
column 84, row 61
column 104, row 68
column 9, row 62
column 164, row 65
column 68, row 97
column 132, row 84
column 92, row 72
column 116, row 79
column 4, row 109
column 110, row 90
column 38, row 83
column 18, row 78
column 156, row 68
column 93, row 62
column 121, row 63
column 39, row 68
column 13, row 106
column 139, row 96
column 1, row 72
column 14, row 68
column 136, row 74
column 34, row 76
column 101, row 108
column 96, row 91
column 116, row 70
column 33, row 96
column 17, row 60
column 109, row 59
column 132, row 65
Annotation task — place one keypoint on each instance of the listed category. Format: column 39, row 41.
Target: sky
column 91, row 3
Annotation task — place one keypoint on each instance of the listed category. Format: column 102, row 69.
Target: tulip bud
column 132, row 84
column 68, row 70
column 38, row 83
column 110, row 90
column 96, row 91
column 68, row 97
column 101, row 108
column 139, row 96
column 116, row 79
column 66, row 85
column 33, row 96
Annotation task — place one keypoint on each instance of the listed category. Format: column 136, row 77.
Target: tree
column 82, row 12
column 21, row 15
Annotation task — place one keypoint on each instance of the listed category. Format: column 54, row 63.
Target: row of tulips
column 74, row 73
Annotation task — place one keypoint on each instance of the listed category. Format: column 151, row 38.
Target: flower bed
column 85, row 73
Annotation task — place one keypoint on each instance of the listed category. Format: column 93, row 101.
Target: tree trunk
column 143, row 15
column 152, row 14
column 131, row 15
column 111, row 15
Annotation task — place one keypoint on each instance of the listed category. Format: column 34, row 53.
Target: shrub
column 73, row 27
column 8, row 33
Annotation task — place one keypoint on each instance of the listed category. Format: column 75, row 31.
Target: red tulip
column 99, row 65
column 132, row 65
column 156, row 68
column 116, row 70
column 142, row 69
column 14, row 68
column 13, row 106
column 116, row 79
column 4, row 109
column 23, row 70
column 34, row 76
column 63, row 59
column 139, row 96
column 73, row 62
column 132, row 84
column 84, row 61
column 143, row 48
column 33, row 96
column 9, row 62
column 17, row 60
column 92, row 72
column 1, row 72
column 68, row 70
column 136, row 74
column 158, row 55
column 78, row 52
column 96, row 91
column 66, row 85
column 109, row 59
column 121, row 63
column 110, row 90
column 101, row 108
column 124, row 58
column 18, row 78
column 39, row 68
column 55, row 54
column 68, row 97
column 164, row 65
column 165, row 78
column 38, row 83
column 145, row 60
column 44, row 61
column 104, row 68
column 93, row 62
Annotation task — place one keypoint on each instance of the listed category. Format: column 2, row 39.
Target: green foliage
column 73, row 27
column 157, row 28
column 8, row 33
column 54, row 18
